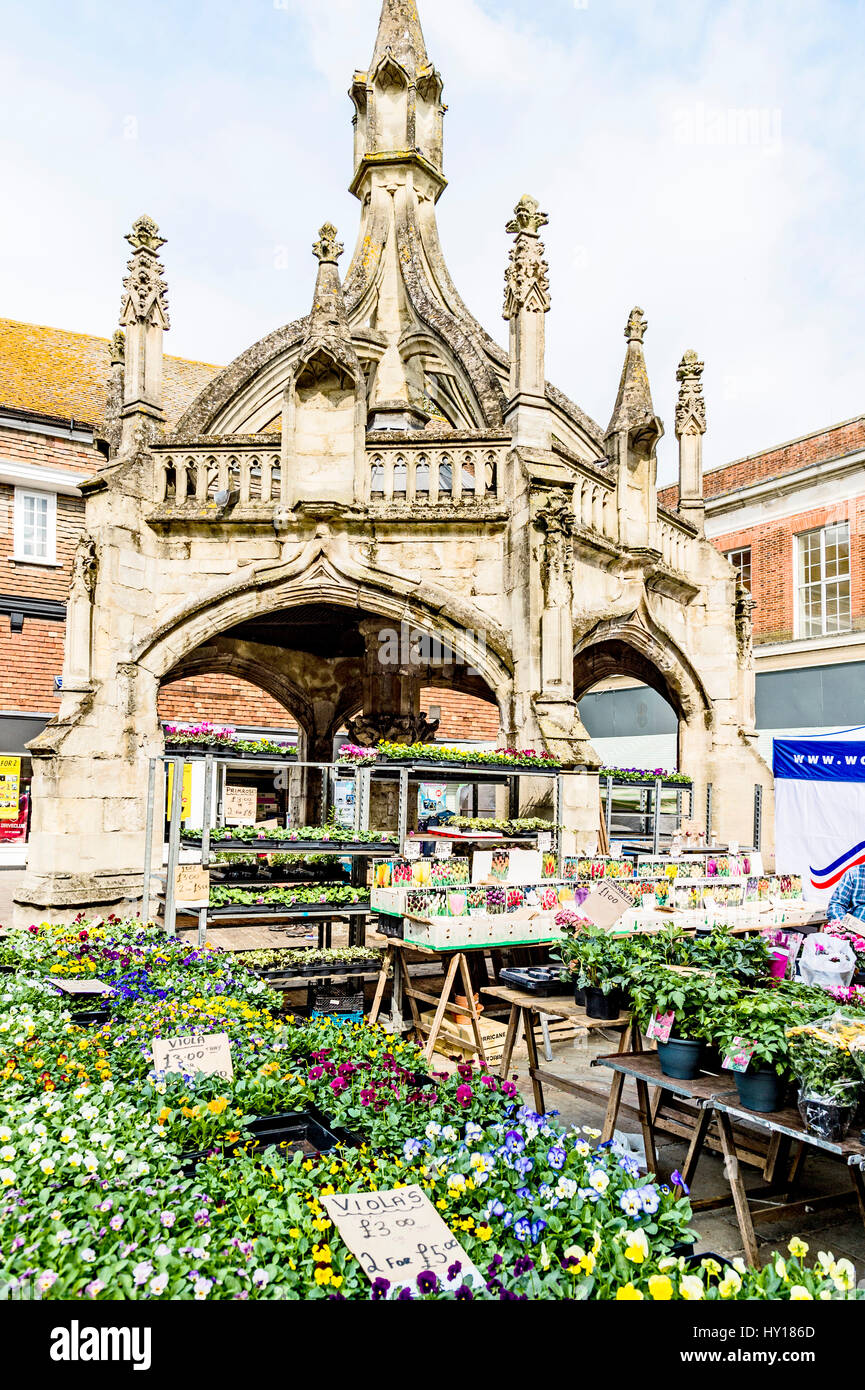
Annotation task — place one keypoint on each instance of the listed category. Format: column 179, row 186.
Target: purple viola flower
column 557, row 1157
column 427, row 1281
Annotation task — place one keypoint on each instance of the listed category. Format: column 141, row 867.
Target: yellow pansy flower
column 628, row 1294
column 660, row 1288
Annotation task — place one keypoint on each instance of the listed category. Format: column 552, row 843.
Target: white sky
column 228, row 121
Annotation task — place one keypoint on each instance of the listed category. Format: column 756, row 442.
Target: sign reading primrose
column 188, row 1053
column 399, row 1238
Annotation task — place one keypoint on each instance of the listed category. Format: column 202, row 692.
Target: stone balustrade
column 438, row 476
column 196, row 475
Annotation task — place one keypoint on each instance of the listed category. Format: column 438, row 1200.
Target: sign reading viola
column 209, row 1053
column 399, row 1235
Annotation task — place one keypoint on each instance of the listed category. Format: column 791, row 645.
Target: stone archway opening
column 637, row 715
column 336, row 673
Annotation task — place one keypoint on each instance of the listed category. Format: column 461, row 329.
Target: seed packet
column 495, row 900
column 515, row 897
column 549, row 864
column 571, row 867
column 500, row 864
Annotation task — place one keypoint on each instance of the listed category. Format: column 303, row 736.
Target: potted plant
column 752, row 1038
column 599, row 964
column 693, row 996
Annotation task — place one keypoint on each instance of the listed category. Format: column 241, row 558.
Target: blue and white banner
column 819, row 810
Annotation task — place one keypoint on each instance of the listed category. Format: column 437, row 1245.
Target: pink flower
column 338, row 1085
column 464, row 1095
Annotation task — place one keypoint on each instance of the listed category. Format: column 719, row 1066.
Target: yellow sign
column 185, row 793
column 10, row 782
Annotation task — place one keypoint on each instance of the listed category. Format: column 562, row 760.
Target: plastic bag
column 827, row 961
column 829, row 1116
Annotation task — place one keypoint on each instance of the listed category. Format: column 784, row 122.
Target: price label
column 444, row 849
column 399, row 1235
column 739, row 1056
column 240, row 806
column 411, row 849
column 82, row 986
column 545, row 840
column 661, row 1027
column 605, row 905
column 188, row 1053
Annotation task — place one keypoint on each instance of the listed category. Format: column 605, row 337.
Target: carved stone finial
column 328, row 249
column 527, row 217
column 691, row 406
column 557, row 519
column 145, row 235
column 144, row 298
column 635, row 329
column 118, row 348
column 85, row 566
column 527, row 278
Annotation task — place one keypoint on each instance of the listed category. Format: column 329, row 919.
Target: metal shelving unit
column 363, row 777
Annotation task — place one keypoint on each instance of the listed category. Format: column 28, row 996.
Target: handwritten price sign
column 398, row 1235
column 192, row 1052
column 605, row 905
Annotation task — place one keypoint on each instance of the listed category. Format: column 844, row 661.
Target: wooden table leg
column 859, row 1188
column 740, row 1197
column 614, row 1102
column 387, row 960
column 474, row 1016
column 532, row 1049
column 440, row 1010
column 510, row 1040
column 695, row 1147
column 646, row 1126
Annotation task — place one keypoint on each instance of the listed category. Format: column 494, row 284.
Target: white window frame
column 823, row 583
column 50, row 558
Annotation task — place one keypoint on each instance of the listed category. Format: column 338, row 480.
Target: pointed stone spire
column 527, row 300
column 144, row 315
column 328, row 328
column 401, row 36
column 323, row 457
column 632, row 440
column 690, row 428
column 398, row 106
column 633, row 408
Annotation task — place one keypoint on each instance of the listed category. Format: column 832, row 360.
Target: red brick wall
column 800, row 453
column 221, row 700
column 462, row 716
column 773, row 578
column 29, row 661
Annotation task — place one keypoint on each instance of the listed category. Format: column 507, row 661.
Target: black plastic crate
column 391, row 926
column 333, row 1003
column 539, row 979
column 305, row 1131
column 87, row 1018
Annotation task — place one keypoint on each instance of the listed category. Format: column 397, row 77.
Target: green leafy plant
column 439, row 753
column 693, row 995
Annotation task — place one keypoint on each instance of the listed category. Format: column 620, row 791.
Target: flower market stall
column 120, row 1179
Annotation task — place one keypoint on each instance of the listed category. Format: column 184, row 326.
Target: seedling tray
column 543, row 980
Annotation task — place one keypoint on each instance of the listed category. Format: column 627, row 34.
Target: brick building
column 53, row 386
column 791, row 519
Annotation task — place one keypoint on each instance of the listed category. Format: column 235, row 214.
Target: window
column 823, row 580
column 35, row 526
column 741, row 561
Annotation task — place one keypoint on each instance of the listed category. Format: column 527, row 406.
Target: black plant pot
column 858, row 977
column 680, row 1058
column 600, row 1005
column 712, row 1061
column 579, row 996
column 762, row 1090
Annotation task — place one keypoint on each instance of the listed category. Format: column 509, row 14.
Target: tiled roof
column 51, row 371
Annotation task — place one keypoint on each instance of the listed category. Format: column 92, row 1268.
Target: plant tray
column 86, row 1018
column 544, row 980
column 435, row 769
column 202, row 750
column 391, row 926
column 338, row 1003
column 302, row 1131
column 285, row 910
column 336, row 848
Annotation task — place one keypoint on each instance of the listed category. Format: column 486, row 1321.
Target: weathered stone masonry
column 383, row 462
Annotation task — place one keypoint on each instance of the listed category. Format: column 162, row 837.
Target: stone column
column 527, row 300
column 79, row 616
column 690, row 428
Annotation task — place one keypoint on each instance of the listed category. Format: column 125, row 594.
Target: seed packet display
column 548, row 898
column 752, row 890
column 500, row 865
column 515, row 897
column 447, row 872
column 571, row 867
column 495, row 901
column 549, row 864
column 477, row 900
column 662, row 892
column 735, row 894
column 383, row 875
column 686, row 897
column 457, row 902
column 418, row 902
column 619, row 869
